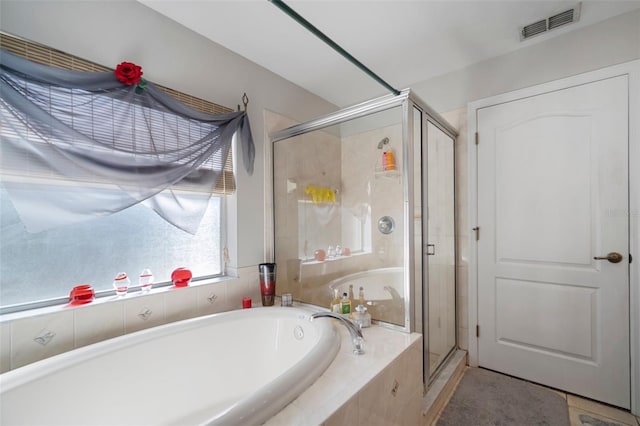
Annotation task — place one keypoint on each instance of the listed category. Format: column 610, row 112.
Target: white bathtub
column 239, row 367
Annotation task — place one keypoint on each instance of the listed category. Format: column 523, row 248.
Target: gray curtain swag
column 120, row 144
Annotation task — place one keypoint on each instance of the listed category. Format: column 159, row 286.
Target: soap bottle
column 352, row 300
column 361, row 317
column 389, row 162
column 335, row 303
column 345, row 304
column 361, row 296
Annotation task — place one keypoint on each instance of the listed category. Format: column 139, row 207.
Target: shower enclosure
column 364, row 210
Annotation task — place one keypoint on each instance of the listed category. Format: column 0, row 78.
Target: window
column 41, row 268
column 48, row 264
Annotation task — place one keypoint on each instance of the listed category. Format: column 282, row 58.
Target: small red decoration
column 128, row 73
column 181, row 277
column 81, row 294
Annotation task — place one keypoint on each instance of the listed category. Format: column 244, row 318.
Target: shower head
column 383, row 142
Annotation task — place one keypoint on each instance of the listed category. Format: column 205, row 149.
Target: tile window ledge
column 27, row 313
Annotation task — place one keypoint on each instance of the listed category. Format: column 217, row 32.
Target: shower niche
column 351, row 192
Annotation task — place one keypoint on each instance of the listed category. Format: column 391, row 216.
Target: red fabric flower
column 128, row 73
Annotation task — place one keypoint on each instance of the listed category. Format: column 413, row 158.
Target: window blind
column 163, row 123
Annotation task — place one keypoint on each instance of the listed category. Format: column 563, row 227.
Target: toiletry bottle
column 345, row 304
column 390, row 161
column 361, row 317
column 352, row 300
column 335, row 303
column 361, row 296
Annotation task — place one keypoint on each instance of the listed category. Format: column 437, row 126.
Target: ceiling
column 404, row 42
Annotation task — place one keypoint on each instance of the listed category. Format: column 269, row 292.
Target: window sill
column 28, row 313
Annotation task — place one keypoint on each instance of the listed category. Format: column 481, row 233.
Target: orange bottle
column 389, row 161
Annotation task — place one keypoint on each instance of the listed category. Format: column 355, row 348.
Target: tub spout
column 395, row 296
column 356, row 333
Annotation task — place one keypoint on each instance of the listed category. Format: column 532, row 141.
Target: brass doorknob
column 612, row 257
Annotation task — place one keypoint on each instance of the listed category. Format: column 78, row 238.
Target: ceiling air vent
column 561, row 19
column 534, row 29
column 550, row 23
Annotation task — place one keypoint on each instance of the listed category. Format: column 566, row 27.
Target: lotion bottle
column 335, row 303
column 345, row 304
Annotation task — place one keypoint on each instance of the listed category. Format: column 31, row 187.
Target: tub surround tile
column 36, row 338
column 144, row 312
column 411, row 413
column 348, row 374
column 246, row 285
column 180, row 304
column 289, row 416
column 5, row 347
column 97, row 323
column 323, row 402
column 212, row 298
column 110, row 317
column 395, row 395
column 375, row 400
column 348, row 414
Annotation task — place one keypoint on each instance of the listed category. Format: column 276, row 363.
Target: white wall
column 610, row 42
column 109, row 32
column 607, row 43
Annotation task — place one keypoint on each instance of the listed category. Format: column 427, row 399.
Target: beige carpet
column 485, row 398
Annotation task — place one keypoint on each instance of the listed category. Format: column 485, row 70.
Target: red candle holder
column 181, row 277
column 81, row 294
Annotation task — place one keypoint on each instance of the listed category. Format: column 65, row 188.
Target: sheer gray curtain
column 118, row 146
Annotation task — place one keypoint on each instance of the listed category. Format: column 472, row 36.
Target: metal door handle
column 612, row 257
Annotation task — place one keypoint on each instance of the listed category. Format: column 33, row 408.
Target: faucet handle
column 358, row 345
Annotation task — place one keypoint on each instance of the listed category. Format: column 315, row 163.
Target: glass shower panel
column 441, row 245
column 339, row 214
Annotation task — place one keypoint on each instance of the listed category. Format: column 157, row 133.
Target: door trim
column 632, row 70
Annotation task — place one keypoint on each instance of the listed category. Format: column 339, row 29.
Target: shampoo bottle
column 352, row 300
column 389, row 161
column 345, row 304
column 335, row 303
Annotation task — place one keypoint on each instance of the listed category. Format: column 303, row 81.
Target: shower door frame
column 407, row 101
column 430, row 116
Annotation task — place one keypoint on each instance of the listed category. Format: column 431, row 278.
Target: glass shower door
column 440, row 252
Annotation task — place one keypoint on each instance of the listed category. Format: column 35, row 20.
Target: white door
column 552, row 195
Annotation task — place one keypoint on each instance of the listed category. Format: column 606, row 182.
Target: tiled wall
column 393, row 397
column 28, row 338
column 458, row 119
column 364, row 182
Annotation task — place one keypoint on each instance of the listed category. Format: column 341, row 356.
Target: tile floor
column 585, row 412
